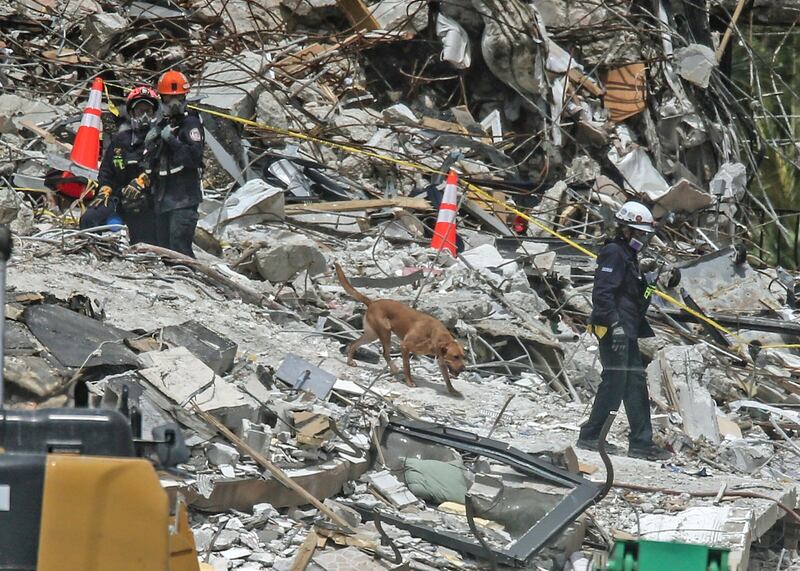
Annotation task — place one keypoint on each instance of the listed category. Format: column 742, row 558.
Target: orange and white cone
column 85, row 153
column 444, row 235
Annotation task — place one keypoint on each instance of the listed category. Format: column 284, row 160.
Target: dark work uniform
column 122, row 162
column 618, row 297
column 176, row 187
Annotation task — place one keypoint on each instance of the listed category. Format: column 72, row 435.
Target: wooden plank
column 306, row 552
column 723, row 44
column 279, row 474
column 446, row 126
column 297, row 61
column 586, row 82
column 44, row 134
column 301, row 59
column 353, row 205
column 359, row 14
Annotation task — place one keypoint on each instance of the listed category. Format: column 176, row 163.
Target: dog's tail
column 355, row 294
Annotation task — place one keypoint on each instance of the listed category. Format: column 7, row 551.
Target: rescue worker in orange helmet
column 121, row 169
column 174, row 161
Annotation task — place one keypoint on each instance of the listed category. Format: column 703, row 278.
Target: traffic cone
column 85, row 153
column 444, row 235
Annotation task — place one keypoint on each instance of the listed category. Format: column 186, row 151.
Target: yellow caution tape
column 486, row 196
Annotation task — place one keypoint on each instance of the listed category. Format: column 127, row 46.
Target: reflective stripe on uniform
column 171, row 171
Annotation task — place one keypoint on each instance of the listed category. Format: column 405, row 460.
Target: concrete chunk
column 257, row 436
column 695, row 63
column 210, row 347
column 411, row 15
column 219, row 454
column 349, row 515
column 284, row 262
column 100, row 31
column 392, row 489
column 357, row 124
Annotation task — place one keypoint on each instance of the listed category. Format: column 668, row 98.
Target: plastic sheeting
column 455, row 42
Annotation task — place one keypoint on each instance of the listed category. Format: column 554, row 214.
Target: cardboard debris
column 625, row 91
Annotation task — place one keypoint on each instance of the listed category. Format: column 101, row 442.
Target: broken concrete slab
column 684, row 197
column 727, row 527
column 155, row 409
column 357, row 124
column 747, row 455
column 675, row 376
column 100, row 31
column 349, row 515
column 34, row 375
column 406, row 15
column 183, row 377
column 230, row 86
column 321, row 480
column 76, row 340
column 238, row 16
column 347, row 559
column 210, row 347
column 283, row 262
column 389, row 487
column 14, row 108
column 717, row 283
column 515, row 59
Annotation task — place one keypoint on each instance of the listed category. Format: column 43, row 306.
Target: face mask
column 636, row 245
column 142, row 122
column 176, row 108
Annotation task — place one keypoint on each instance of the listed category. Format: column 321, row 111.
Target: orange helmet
column 173, row 82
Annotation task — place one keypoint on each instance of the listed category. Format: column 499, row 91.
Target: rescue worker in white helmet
column 620, row 300
column 120, row 176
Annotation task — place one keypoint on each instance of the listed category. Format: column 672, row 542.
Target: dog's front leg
column 407, row 365
column 446, row 375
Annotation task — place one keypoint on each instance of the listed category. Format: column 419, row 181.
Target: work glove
column 648, row 265
column 102, row 197
column 134, row 191
column 151, row 136
column 166, row 134
column 619, row 341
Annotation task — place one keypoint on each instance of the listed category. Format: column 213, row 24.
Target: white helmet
column 636, row 215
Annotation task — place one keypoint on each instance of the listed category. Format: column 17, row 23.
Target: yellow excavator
column 74, row 495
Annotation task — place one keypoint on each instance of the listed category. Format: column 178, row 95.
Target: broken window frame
column 518, row 553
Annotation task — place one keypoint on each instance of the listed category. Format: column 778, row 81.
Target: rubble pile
column 330, row 127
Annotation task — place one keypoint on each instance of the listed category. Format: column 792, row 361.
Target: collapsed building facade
column 329, row 128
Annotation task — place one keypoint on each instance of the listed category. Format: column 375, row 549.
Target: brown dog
column 419, row 333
